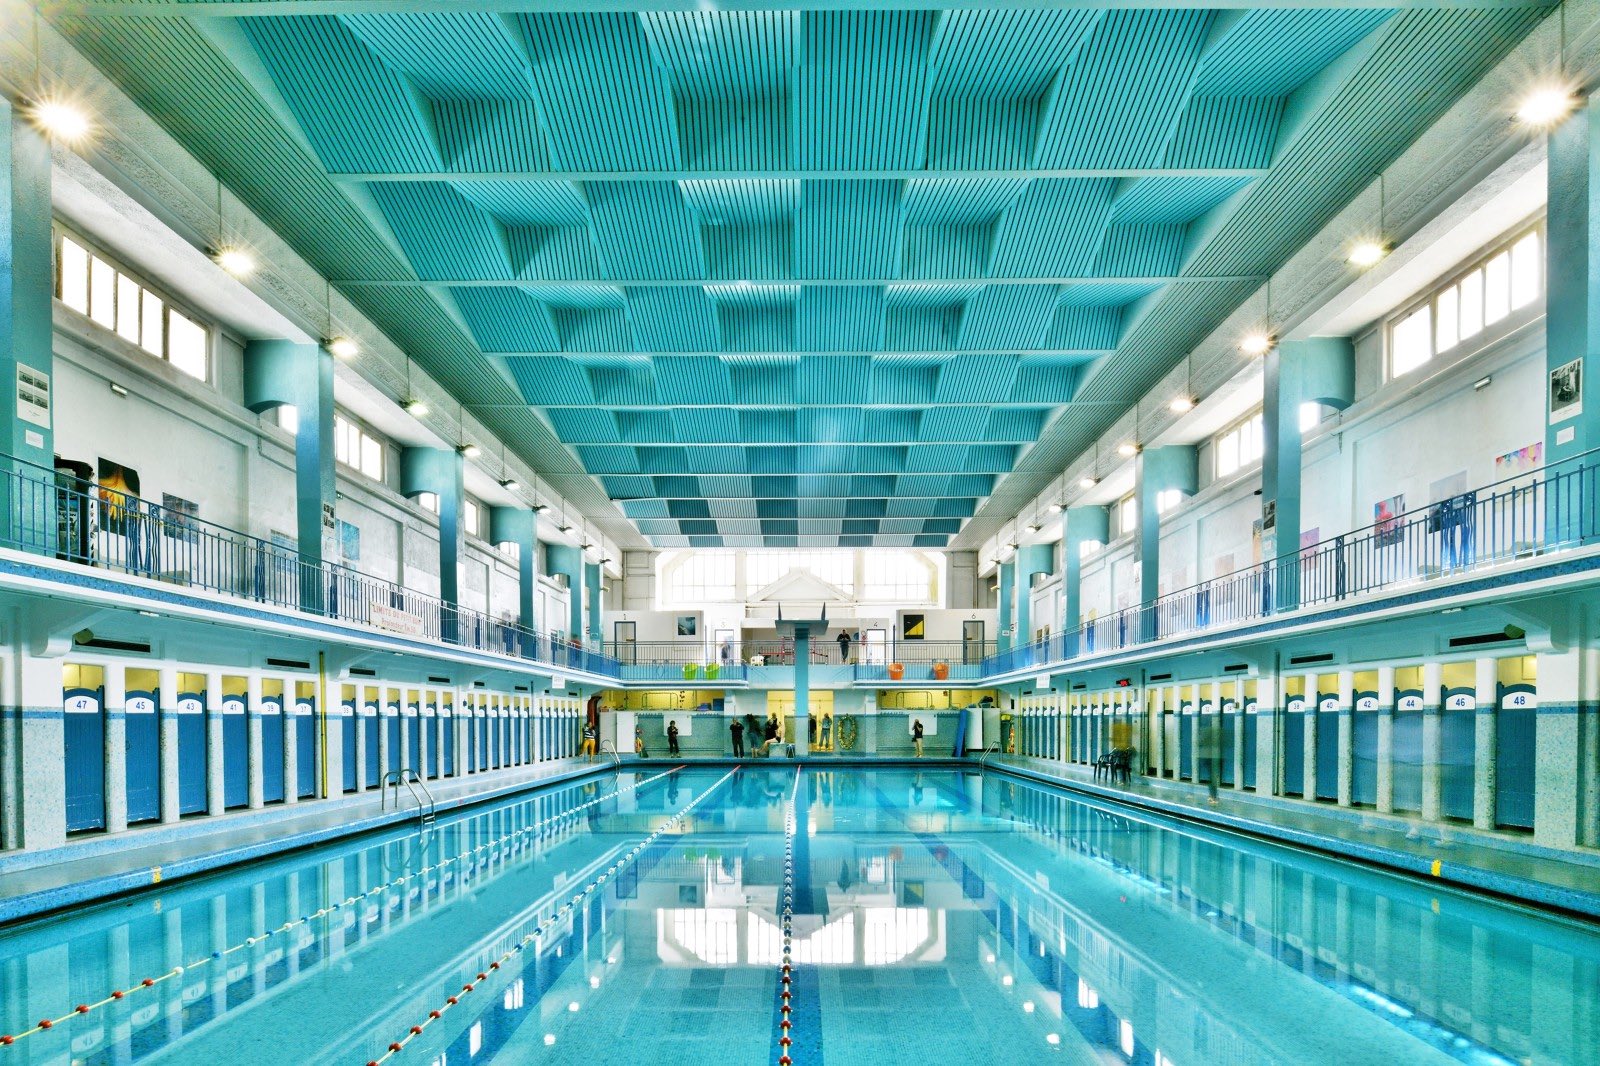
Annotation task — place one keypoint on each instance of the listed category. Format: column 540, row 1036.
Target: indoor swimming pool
column 933, row 915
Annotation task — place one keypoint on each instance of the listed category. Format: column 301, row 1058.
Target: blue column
column 802, row 690
column 1079, row 525
column 1002, row 638
column 1572, row 319
column 440, row 471
column 1297, row 372
column 27, row 286
column 1156, row 470
column 568, row 559
column 592, row 601
column 517, row 525
column 1031, row 559
column 278, row 373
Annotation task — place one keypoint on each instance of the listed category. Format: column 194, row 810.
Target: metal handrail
column 426, row 807
column 55, row 513
column 608, row 748
column 1554, row 508
column 983, row 759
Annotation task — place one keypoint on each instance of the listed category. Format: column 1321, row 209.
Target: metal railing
column 608, row 748
column 58, row 514
column 1535, row 513
column 408, row 777
column 993, row 748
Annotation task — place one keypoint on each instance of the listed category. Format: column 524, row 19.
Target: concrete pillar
column 1486, row 691
column 594, row 596
column 518, row 525
column 167, row 739
column 1031, row 559
column 1432, row 742
column 113, row 707
column 425, row 727
column 1080, row 526
column 34, row 815
column 1269, row 723
column 567, row 559
column 1317, row 368
column 1156, row 470
column 1347, row 737
column 330, row 725
column 215, row 803
column 1237, row 755
column 1158, row 728
column 1310, row 739
column 1569, row 686
column 1386, row 699
column 1003, row 637
column 277, row 373
column 256, row 772
column 27, row 285
column 292, row 724
column 440, row 471
column 358, row 722
column 1572, row 304
column 802, row 689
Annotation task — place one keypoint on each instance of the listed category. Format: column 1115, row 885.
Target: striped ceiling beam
column 269, row 8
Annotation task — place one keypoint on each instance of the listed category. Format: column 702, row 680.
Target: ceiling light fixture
column 469, row 450
column 1369, row 251
column 1034, row 526
column 540, row 508
column 1181, row 405
column 509, row 484
column 236, row 261
column 1545, row 106
column 1261, row 339
column 1127, row 449
column 1054, row 508
column 61, row 119
column 564, row 528
column 1088, row 481
column 412, row 404
column 342, row 347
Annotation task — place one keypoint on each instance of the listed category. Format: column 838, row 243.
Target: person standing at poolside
column 916, row 735
column 736, row 727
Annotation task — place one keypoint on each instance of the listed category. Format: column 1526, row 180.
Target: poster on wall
column 913, row 626
column 1386, row 516
column 181, row 515
column 349, row 542
column 117, row 482
column 1310, row 537
column 1566, row 391
column 1519, row 462
column 1255, row 542
column 688, row 625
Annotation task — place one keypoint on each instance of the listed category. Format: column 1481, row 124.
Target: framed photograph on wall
column 688, row 625
column 1566, row 391
column 913, row 626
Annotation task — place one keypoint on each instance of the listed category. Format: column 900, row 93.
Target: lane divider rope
column 786, row 913
column 45, row 1024
column 549, row 921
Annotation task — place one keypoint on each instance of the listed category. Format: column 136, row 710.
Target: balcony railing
column 57, row 514
column 1535, row 513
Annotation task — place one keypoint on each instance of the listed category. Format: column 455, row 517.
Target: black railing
column 58, row 514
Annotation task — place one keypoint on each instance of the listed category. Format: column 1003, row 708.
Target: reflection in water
column 938, row 915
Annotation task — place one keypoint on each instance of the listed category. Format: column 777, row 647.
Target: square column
column 167, row 739
column 1484, row 742
column 113, row 706
column 1432, row 742
column 1386, row 739
column 255, row 772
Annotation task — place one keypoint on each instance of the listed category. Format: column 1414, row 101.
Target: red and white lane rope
column 786, row 917
column 550, row 919
column 9, row 1039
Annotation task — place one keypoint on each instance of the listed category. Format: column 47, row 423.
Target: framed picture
column 913, row 626
column 117, row 484
column 688, row 625
column 181, row 515
column 1386, row 515
column 349, row 541
column 1566, row 391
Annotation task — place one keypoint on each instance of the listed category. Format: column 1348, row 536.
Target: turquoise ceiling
column 794, row 277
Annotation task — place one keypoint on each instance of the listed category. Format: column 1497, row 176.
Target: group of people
column 771, row 733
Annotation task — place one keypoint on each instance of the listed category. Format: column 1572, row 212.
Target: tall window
column 1239, row 446
column 1167, row 499
column 1507, row 280
column 701, row 577
column 471, row 518
column 1127, row 514
column 358, row 449
column 428, row 501
column 114, row 299
column 835, row 567
column 899, row 577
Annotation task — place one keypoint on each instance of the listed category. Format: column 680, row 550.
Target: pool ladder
column 990, row 750
column 608, row 748
column 409, row 778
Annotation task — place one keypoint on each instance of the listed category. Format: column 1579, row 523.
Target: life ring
column 847, row 733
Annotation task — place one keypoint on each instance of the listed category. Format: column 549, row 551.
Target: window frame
column 361, row 435
column 144, row 291
column 1486, row 331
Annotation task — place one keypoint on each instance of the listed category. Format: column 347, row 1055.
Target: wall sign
column 1566, row 391
column 33, row 396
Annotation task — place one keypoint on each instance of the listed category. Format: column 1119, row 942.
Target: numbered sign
column 140, row 705
column 304, row 708
column 1366, row 703
column 1249, row 706
column 1296, row 705
column 1460, row 701
column 233, row 705
column 1520, row 698
column 1329, row 703
column 1411, row 701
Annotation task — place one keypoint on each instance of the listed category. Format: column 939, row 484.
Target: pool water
column 939, row 916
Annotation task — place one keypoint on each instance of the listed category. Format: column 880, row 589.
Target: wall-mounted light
column 120, row 390
column 1483, row 382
